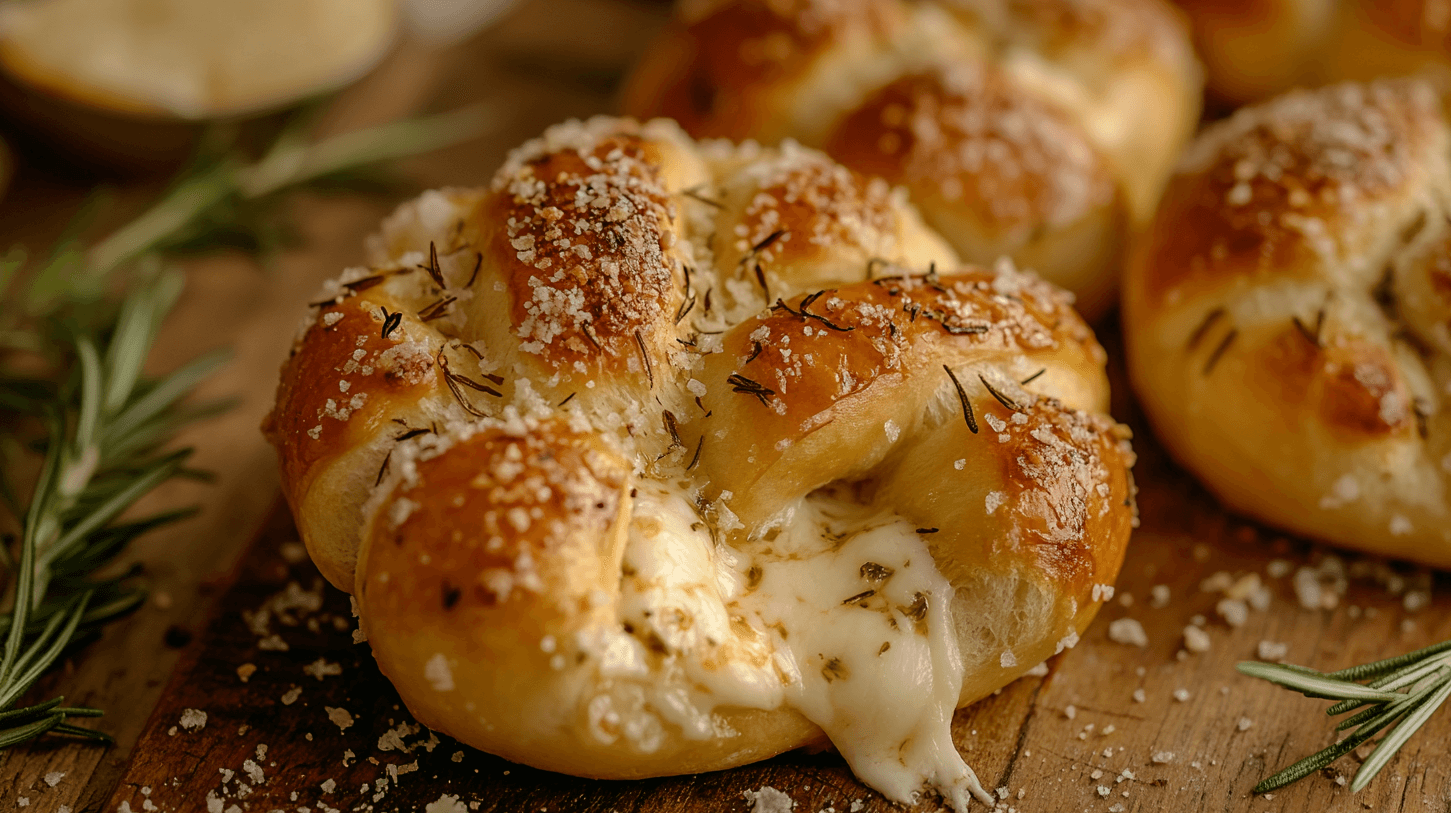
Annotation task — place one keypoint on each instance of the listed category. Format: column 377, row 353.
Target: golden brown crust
column 1018, row 126
column 1282, row 323
column 1280, row 188
column 721, row 71
column 346, row 390
column 967, row 139
column 563, row 210
column 550, row 496
column 559, row 524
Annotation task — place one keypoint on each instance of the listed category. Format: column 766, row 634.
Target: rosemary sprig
column 100, row 426
column 106, row 427
column 1399, row 693
column 220, row 200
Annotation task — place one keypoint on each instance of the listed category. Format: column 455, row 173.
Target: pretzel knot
column 654, row 458
column 1288, row 316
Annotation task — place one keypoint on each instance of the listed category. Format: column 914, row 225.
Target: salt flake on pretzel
column 658, row 457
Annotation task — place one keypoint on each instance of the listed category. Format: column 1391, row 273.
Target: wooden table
column 316, row 727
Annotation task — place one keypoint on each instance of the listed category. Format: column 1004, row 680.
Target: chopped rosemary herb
column 649, row 370
column 1219, row 350
column 962, row 397
column 999, row 397
column 434, row 271
column 767, row 242
column 694, row 195
column 391, row 321
column 696, row 459
column 740, row 383
column 1209, row 320
column 437, row 310
column 1311, row 336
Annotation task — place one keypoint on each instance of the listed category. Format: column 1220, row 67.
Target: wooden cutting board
column 1073, row 739
column 1076, row 739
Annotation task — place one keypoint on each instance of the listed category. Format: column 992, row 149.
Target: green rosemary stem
column 107, row 425
column 1400, row 694
column 290, row 162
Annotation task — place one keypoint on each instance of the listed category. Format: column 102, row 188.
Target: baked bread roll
column 1288, row 316
column 1037, row 129
column 1254, row 49
column 658, row 457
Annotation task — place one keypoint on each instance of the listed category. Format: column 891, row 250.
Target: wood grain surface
column 1074, row 739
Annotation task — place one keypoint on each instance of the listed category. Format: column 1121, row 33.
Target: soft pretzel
column 1254, row 49
column 1038, row 129
column 655, row 457
column 1288, row 316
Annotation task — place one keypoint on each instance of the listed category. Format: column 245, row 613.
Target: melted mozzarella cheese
column 843, row 616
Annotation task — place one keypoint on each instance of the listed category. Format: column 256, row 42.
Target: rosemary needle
column 104, row 425
column 1400, row 693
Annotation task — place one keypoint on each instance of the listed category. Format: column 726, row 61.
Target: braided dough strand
column 690, row 454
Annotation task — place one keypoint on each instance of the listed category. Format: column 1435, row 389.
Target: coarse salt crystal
column 769, row 800
column 1416, row 600
column 995, row 499
column 1128, row 631
column 1196, row 639
column 320, row 669
column 1244, row 587
column 340, row 717
column 1182, row 695
column 193, row 719
column 438, row 673
column 1271, row 650
column 1234, row 612
column 1162, row 757
column 1307, row 589
column 1217, row 583
column 446, row 803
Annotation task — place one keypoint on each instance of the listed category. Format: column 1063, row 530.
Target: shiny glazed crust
column 1288, row 316
column 469, row 430
column 1038, row 129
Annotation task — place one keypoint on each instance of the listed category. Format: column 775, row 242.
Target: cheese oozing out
column 837, row 612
